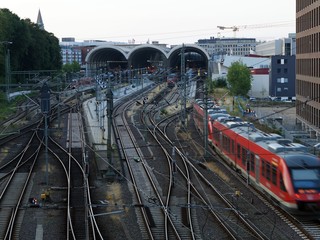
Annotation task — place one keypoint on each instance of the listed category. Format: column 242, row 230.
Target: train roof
column 216, row 110
column 216, row 115
column 212, row 111
column 269, row 141
column 301, row 160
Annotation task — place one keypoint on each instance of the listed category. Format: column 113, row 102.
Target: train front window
column 306, row 179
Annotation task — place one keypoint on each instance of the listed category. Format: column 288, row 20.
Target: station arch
column 106, row 57
column 195, row 57
column 148, row 55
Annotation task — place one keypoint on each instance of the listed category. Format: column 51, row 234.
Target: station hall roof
column 111, row 52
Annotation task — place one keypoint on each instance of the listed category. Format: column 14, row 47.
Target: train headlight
column 307, row 191
column 312, row 191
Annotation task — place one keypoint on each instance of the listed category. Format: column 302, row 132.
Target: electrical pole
column 109, row 115
column 174, row 164
column 45, row 109
column 7, row 67
column 8, row 72
column 184, row 90
column 205, row 125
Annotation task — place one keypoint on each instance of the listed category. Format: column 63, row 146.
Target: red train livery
column 171, row 80
column 276, row 166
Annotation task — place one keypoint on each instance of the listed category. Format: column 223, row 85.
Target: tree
column 31, row 48
column 220, row 82
column 71, row 67
column 239, row 79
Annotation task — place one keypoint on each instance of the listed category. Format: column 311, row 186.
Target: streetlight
column 7, row 65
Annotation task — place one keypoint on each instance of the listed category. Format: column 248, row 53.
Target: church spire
column 39, row 21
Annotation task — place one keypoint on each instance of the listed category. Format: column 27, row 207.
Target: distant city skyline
column 169, row 22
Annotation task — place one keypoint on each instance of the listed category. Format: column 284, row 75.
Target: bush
column 220, row 82
column 164, row 112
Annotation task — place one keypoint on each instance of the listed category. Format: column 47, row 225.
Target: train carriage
column 276, row 166
column 172, row 80
column 198, row 116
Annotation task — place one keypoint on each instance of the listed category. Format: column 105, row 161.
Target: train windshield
column 306, row 178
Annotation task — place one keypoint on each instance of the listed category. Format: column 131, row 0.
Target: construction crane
column 266, row 25
column 234, row 29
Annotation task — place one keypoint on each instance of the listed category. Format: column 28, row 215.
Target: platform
column 96, row 123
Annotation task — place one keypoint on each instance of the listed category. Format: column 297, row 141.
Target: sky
column 167, row 21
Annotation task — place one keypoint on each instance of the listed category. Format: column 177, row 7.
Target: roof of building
column 254, row 62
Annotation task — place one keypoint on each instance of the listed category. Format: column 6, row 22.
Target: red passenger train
column 172, row 80
column 283, row 170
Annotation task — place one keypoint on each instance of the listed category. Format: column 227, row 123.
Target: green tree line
column 31, row 48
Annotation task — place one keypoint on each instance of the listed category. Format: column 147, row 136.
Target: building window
column 282, row 80
column 282, row 61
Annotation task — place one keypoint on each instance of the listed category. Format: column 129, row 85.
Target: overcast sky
column 166, row 21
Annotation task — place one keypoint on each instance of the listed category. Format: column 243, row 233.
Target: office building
column 219, row 47
column 282, row 70
column 308, row 65
column 283, row 46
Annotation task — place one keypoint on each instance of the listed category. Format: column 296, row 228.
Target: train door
column 257, row 170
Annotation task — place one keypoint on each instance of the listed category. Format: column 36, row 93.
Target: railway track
column 151, row 218
column 175, row 225
column 232, row 197
column 22, row 170
column 184, row 222
column 235, row 225
column 177, row 194
column 14, row 186
column 80, row 217
column 312, row 227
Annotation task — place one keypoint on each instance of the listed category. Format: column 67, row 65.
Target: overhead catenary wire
column 196, row 32
column 165, row 175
